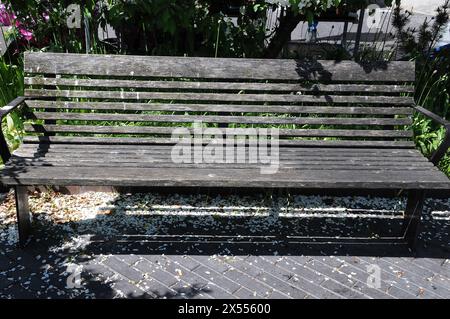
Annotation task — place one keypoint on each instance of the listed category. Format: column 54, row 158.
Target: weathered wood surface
column 164, row 159
column 223, row 97
column 222, row 177
column 97, row 129
column 409, row 155
column 6, row 109
column 297, row 155
column 221, row 86
column 219, row 119
column 166, row 163
column 224, row 108
column 249, row 69
column 89, row 147
column 224, row 91
column 150, row 141
column 309, row 167
column 366, row 107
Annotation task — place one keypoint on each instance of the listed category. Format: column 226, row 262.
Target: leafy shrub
column 11, row 86
column 433, row 69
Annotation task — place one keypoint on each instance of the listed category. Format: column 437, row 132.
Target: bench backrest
column 140, row 99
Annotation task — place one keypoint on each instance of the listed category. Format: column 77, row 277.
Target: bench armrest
column 445, row 145
column 4, row 150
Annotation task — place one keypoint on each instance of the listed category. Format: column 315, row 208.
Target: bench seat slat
column 160, row 157
column 55, row 147
column 164, row 152
column 199, row 177
column 165, row 158
column 149, row 141
column 166, row 155
column 164, row 164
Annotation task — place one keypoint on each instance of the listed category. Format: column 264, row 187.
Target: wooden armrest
column 445, row 145
column 11, row 106
column 4, row 150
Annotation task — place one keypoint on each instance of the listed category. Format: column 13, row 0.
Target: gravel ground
column 72, row 230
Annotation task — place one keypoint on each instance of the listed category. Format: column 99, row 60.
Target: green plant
column 11, row 86
column 433, row 68
column 194, row 27
column 47, row 22
column 164, row 27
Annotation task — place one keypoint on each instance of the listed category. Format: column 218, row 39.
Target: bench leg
column 23, row 215
column 413, row 214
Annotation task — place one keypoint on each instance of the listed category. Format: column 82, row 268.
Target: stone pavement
column 179, row 258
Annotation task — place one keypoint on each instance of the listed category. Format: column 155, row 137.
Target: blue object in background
column 312, row 27
column 312, row 30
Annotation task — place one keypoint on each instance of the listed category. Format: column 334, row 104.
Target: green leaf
column 10, row 123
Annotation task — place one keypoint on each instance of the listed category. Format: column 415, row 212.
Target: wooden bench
column 342, row 125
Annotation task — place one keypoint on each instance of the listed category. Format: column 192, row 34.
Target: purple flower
column 8, row 18
column 27, row 35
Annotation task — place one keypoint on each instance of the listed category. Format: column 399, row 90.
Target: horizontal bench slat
column 166, row 155
column 217, row 97
column 93, row 129
column 217, row 68
column 219, row 119
column 165, row 149
column 132, row 163
column 220, row 86
column 179, row 177
column 225, row 108
column 150, row 141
